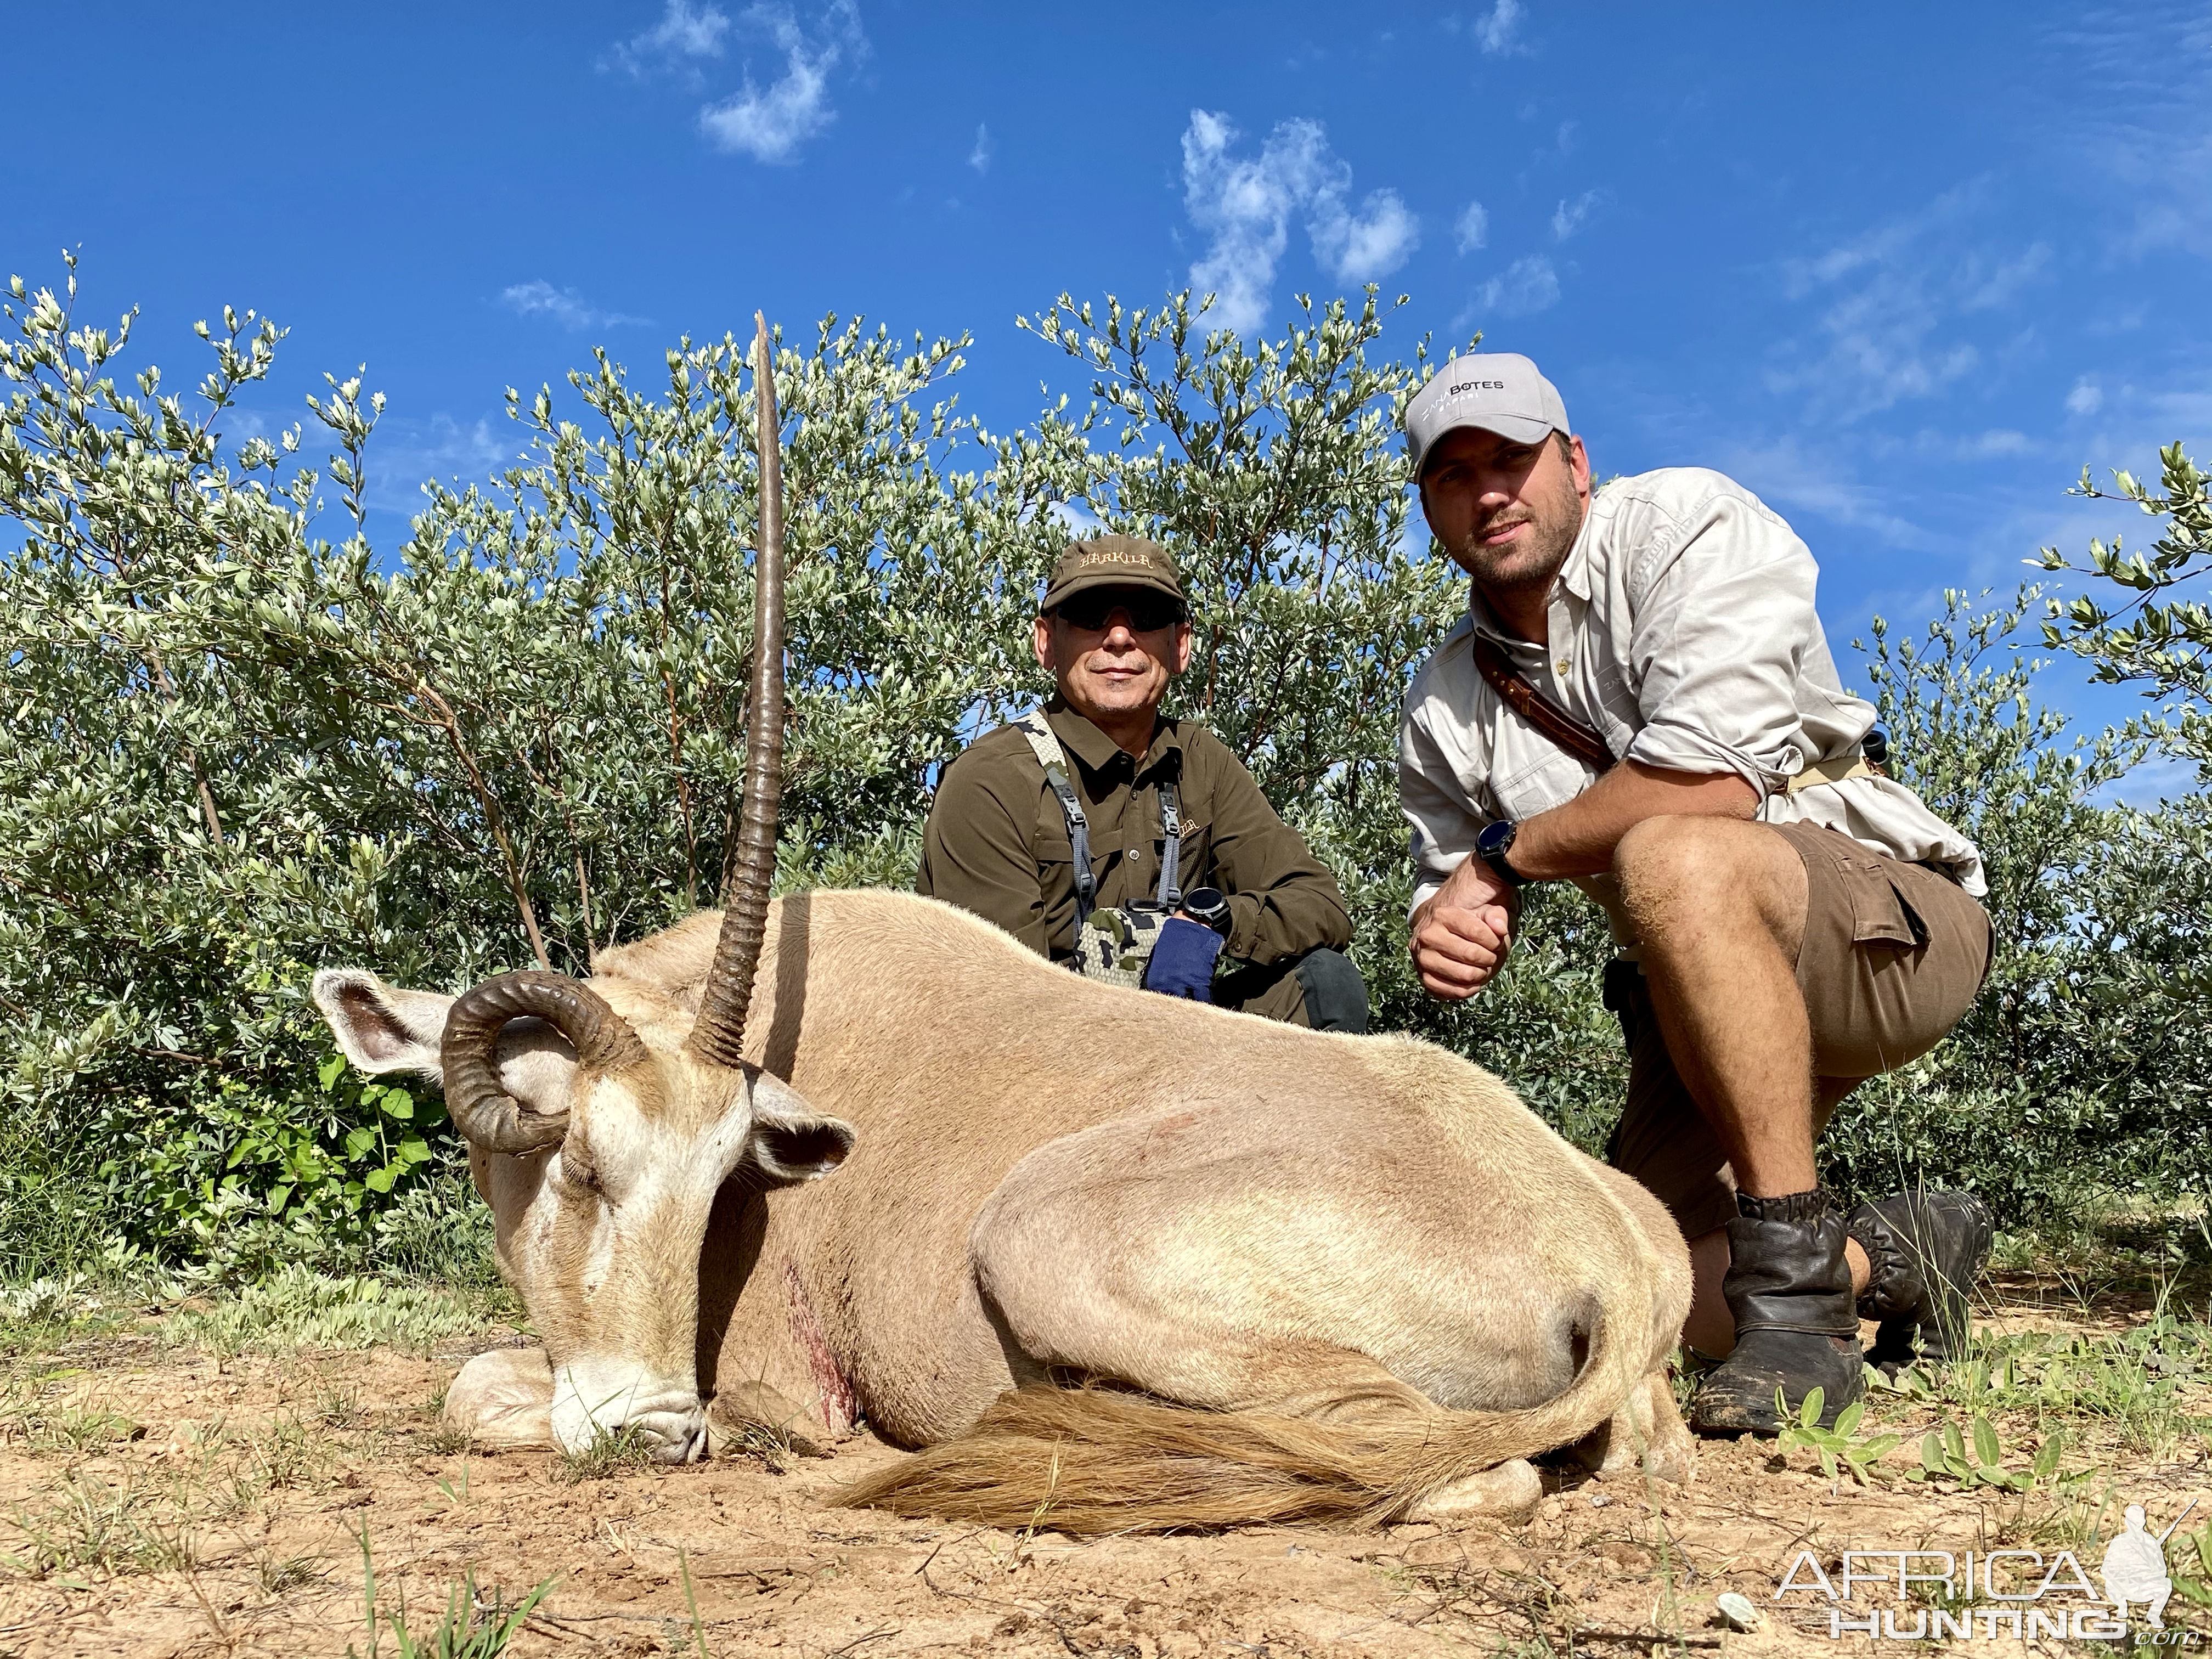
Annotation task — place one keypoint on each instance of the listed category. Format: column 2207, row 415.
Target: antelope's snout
column 598, row 1398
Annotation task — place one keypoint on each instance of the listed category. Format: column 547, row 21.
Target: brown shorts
column 1893, row 955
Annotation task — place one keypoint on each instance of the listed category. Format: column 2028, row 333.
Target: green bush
column 241, row 750
column 2067, row 1082
column 2161, row 639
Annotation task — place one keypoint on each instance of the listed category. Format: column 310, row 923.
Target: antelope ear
column 379, row 1027
column 790, row 1141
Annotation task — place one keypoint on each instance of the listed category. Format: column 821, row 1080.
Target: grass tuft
column 85, row 1522
column 624, row 1450
column 470, row 1629
column 296, row 1308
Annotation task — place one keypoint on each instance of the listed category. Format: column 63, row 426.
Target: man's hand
column 1462, row 935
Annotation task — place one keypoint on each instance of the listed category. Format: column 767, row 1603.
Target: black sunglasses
column 1147, row 609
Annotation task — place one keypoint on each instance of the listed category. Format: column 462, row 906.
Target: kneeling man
column 1133, row 846
column 1640, row 699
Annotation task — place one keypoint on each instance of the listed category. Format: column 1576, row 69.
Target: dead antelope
column 1289, row 1274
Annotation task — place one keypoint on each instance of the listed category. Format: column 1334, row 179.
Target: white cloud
column 1245, row 205
column 1892, row 299
column 563, row 305
column 406, row 452
column 1472, row 230
column 1997, row 441
column 1080, row 521
column 681, row 32
column 2151, row 783
column 1368, row 245
column 1569, row 216
column 1526, row 286
column 2144, row 144
column 2087, row 398
column 1788, row 475
column 1494, row 34
column 770, row 124
column 2010, row 277
column 979, row 157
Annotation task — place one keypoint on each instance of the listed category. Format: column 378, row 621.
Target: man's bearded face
column 1507, row 513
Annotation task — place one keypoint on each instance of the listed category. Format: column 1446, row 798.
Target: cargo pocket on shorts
column 1880, row 912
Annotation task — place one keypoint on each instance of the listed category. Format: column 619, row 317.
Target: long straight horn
column 720, row 1031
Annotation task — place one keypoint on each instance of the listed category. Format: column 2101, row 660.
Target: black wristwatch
column 1207, row 906
column 1492, row 846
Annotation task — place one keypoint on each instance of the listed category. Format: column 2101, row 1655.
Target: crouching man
column 1131, row 847
column 1640, row 699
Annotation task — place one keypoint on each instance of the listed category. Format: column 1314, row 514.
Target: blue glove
column 1182, row 961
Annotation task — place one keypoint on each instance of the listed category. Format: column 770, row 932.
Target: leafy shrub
column 2166, row 645
column 2065, row 1082
column 241, row 750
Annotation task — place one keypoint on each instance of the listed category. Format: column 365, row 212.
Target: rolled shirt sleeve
column 1723, row 621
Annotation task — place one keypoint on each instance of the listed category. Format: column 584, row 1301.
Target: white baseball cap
column 1499, row 391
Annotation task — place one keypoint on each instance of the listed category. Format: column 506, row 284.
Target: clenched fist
column 1461, row 934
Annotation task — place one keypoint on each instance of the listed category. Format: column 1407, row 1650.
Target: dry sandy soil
column 159, row 1500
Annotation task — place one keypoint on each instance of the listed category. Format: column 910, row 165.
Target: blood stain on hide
column 839, row 1405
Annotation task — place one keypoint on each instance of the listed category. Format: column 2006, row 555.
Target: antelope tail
column 1096, row 1460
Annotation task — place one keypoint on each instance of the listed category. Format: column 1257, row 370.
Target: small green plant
column 278, row 1574
column 1839, row 1449
column 456, row 1490
column 2192, row 1571
column 468, row 1630
column 337, row 1405
column 76, row 1430
column 609, row 1452
column 287, row 1454
column 296, row 1307
column 772, row 1445
column 1949, row 1453
column 691, row 1605
column 70, row 1427
column 86, row 1522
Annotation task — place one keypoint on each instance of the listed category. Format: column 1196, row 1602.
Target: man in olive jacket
column 1113, row 631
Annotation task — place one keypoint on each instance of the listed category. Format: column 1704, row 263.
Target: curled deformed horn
column 719, row 1034
column 485, row 1113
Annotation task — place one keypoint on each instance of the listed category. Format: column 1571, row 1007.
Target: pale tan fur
column 1325, row 1276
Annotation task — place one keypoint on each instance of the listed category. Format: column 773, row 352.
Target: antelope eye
column 578, row 1169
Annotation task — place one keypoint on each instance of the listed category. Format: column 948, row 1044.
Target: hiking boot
column 1796, row 1328
column 1923, row 1250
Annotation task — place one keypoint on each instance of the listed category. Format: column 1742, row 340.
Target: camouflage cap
column 1111, row 561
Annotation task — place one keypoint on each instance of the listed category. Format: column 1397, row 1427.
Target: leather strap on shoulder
column 1562, row 729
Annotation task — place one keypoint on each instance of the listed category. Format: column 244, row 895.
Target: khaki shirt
column 997, row 843
column 1681, row 627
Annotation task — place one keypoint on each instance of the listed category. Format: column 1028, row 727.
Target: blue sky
column 1903, row 270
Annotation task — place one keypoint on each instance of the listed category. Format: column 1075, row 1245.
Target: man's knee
column 1673, row 850
column 1336, row 996
column 1667, row 866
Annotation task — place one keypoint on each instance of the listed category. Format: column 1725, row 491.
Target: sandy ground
column 171, row 1503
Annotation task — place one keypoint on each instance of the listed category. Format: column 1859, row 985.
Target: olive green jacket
column 997, row 843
